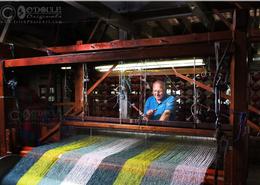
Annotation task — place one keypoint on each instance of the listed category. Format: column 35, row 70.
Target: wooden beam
column 142, row 128
column 187, row 50
column 198, row 10
column 104, row 13
column 179, row 124
column 223, row 19
column 242, row 5
column 9, row 51
column 2, row 112
column 238, row 80
column 100, row 80
column 70, row 110
column 160, row 41
column 253, row 109
column 186, row 23
column 253, row 125
column 160, row 14
column 94, row 30
column 52, row 131
column 79, row 88
column 161, row 26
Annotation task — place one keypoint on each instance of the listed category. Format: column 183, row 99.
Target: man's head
column 158, row 90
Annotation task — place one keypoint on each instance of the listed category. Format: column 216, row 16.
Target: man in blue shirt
column 159, row 106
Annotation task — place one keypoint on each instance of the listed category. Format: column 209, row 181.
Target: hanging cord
column 172, row 83
column 217, row 85
column 140, row 92
column 65, row 83
column 242, row 125
column 120, row 94
column 86, row 80
column 141, row 114
column 221, row 62
column 195, row 96
column 218, row 133
column 85, row 89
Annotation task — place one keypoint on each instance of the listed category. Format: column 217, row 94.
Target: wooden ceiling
column 90, row 22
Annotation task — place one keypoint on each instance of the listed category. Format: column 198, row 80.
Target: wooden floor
column 254, row 175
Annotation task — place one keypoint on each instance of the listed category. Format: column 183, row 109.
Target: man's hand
column 149, row 113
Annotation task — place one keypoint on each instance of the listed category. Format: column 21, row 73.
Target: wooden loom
column 176, row 46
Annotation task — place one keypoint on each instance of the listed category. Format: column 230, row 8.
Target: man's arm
column 165, row 116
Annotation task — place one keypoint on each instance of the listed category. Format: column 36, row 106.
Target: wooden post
column 239, row 103
column 2, row 112
column 79, row 87
column 100, row 80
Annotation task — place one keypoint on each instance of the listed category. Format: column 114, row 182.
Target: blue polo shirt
column 166, row 104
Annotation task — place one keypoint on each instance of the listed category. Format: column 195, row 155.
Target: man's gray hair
column 159, row 82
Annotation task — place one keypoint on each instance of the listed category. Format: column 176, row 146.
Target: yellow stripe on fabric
column 135, row 168
column 34, row 175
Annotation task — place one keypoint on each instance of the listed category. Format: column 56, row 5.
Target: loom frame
column 235, row 160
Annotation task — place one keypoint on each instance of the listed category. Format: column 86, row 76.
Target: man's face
column 158, row 91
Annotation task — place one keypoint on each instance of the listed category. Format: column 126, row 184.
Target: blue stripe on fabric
column 25, row 163
column 110, row 167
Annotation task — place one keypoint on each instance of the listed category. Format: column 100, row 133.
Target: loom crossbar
column 141, row 128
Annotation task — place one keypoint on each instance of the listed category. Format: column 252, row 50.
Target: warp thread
column 134, row 169
column 42, row 166
column 68, row 160
column 87, row 164
column 110, row 167
column 116, row 160
column 25, row 163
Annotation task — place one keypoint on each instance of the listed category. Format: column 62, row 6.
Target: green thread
column 135, row 168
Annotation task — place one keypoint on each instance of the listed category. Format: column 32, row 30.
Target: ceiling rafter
column 198, row 10
column 104, row 13
column 223, row 19
column 187, row 24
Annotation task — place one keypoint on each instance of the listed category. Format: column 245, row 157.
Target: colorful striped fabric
column 68, row 160
column 25, row 163
column 41, row 167
column 118, row 160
